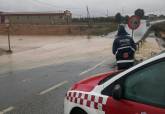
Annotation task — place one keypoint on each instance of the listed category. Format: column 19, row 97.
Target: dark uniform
column 124, row 48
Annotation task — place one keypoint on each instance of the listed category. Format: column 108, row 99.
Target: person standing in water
column 124, row 49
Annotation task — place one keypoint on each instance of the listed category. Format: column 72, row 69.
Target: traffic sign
column 134, row 22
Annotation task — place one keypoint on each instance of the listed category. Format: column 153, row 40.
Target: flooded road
column 40, row 63
column 35, row 78
column 31, row 52
column 35, row 51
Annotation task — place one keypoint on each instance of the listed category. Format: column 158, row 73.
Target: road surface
column 35, row 78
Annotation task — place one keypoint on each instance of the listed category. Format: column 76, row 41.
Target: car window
column 147, row 85
column 109, row 77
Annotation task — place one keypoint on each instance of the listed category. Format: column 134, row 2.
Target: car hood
column 91, row 82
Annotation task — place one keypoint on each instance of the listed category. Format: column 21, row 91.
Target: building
column 49, row 18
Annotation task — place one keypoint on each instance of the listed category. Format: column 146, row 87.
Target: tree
column 139, row 12
column 118, row 18
column 162, row 16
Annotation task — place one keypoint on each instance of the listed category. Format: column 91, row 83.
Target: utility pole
column 107, row 13
column 88, row 16
column 8, row 30
column 89, row 21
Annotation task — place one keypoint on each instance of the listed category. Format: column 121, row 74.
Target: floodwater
column 35, row 51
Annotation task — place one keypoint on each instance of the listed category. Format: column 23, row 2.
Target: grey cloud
column 78, row 7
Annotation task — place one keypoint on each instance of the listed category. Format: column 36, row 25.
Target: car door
column 143, row 91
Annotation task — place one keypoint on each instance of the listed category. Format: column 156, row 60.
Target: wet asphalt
column 21, row 89
column 41, row 89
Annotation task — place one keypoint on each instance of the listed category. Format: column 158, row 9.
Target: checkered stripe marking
column 84, row 99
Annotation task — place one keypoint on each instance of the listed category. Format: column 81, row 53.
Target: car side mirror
column 117, row 92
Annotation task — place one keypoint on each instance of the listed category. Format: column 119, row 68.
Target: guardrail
column 142, row 40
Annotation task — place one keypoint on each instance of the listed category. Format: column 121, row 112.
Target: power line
column 44, row 3
column 53, row 5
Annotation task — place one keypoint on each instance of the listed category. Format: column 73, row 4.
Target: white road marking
column 7, row 110
column 24, row 80
column 53, row 88
column 90, row 69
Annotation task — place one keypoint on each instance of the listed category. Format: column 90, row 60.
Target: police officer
column 124, row 48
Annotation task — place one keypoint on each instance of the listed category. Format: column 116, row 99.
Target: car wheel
column 78, row 111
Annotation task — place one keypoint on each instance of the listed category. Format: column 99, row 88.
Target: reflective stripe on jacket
column 124, row 48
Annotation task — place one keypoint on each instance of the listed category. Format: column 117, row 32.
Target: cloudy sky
column 78, row 7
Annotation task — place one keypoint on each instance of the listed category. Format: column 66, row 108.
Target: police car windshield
column 108, row 78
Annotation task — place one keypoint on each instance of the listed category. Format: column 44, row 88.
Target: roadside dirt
column 162, row 35
column 71, row 29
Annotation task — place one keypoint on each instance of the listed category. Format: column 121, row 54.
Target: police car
column 138, row 90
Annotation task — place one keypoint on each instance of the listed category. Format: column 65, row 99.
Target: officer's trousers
column 124, row 66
